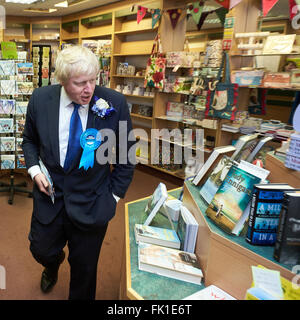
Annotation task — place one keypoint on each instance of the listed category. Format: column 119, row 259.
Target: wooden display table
column 136, row 284
column 226, row 259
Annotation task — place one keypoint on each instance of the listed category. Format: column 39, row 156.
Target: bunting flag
column 174, row 16
column 267, row 5
column 141, row 12
column 195, row 10
column 224, row 3
column 293, row 8
column 203, row 17
column 221, row 13
column 233, row 3
column 156, row 14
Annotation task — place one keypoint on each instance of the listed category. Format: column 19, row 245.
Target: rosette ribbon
column 90, row 140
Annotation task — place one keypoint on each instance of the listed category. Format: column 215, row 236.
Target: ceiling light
column 63, row 4
column 21, row 1
column 40, row 10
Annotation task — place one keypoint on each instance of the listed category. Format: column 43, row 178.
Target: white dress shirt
column 65, row 112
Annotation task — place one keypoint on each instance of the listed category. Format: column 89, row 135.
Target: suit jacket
column 86, row 195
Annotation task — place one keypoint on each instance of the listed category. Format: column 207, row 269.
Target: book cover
column 155, row 202
column 241, row 226
column 169, row 262
column 232, row 198
column 214, row 181
column 211, row 292
column 258, row 146
column 264, row 213
column 244, row 146
column 187, row 229
column 287, row 245
column 211, row 162
column 155, row 235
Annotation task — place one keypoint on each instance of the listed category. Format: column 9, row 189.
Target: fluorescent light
column 63, row 4
column 21, row 1
column 40, row 10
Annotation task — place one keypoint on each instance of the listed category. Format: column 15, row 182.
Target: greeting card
column 6, row 125
column 8, row 87
column 7, row 144
column 7, row 161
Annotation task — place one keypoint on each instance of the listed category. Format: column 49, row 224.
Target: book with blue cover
column 214, row 181
column 155, row 235
column 264, row 213
column 232, row 198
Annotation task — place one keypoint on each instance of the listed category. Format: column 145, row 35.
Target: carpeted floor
column 22, row 272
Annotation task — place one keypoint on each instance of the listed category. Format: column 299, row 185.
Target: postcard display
column 41, row 59
column 15, row 89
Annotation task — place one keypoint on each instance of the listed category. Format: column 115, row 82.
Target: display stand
column 14, row 85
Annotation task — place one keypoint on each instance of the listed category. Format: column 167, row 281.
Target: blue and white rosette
column 90, row 140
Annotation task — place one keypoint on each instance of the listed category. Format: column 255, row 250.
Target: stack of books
column 292, row 159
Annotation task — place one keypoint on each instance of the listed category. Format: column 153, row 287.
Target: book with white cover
column 155, row 235
column 258, row 147
column 210, row 293
column 213, row 158
column 157, row 199
column 187, row 230
column 169, row 262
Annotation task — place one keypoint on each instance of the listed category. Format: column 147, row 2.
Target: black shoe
column 49, row 276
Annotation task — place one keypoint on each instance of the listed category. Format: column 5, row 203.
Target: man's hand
column 42, row 183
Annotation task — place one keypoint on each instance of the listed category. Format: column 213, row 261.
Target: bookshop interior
column 212, row 89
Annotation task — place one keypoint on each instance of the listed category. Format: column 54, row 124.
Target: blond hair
column 74, row 61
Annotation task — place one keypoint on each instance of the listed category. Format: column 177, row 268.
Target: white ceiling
column 17, row 9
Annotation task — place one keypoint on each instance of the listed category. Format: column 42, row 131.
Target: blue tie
column 75, row 132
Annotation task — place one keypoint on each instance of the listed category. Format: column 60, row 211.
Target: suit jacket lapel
column 53, row 116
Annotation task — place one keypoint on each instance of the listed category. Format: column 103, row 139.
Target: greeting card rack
column 15, row 88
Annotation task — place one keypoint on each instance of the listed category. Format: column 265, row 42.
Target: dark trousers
column 48, row 241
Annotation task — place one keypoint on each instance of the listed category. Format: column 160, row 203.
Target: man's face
column 80, row 89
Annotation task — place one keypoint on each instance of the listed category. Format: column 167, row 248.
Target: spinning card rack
column 11, row 128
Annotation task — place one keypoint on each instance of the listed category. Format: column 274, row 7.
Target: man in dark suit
column 85, row 198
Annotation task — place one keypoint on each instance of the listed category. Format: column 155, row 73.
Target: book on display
column 168, row 262
column 155, row 235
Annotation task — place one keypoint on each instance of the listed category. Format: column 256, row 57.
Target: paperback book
column 187, row 230
column 214, row 181
column 232, row 198
column 264, row 213
column 169, row 262
column 244, row 146
column 211, row 163
column 259, row 172
column 258, row 147
column 155, row 202
column 287, row 246
column 155, row 235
